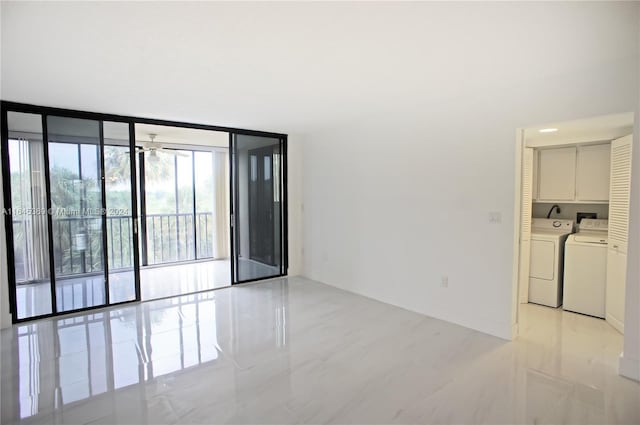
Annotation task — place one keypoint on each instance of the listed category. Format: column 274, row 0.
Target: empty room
column 319, row 212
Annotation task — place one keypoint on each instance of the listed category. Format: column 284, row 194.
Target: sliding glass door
column 26, row 220
column 119, row 202
column 75, row 171
column 184, row 198
column 209, row 209
column 259, row 216
column 68, row 188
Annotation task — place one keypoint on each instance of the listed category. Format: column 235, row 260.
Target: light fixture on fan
column 152, row 148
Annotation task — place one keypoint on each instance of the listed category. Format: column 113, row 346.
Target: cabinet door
column 557, row 174
column 615, row 289
column 620, row 193
column 528, row 162
column 592, row 173
column 534, row 174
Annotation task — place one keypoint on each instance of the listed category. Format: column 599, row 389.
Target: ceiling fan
column 152, row 148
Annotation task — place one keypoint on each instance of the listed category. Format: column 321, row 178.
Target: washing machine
column 547, row 260
column 585, row 268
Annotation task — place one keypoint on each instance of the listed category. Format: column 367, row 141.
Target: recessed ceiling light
column 548, row 130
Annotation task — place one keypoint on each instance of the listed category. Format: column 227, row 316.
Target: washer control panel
column 565, row 226
column 593, row 224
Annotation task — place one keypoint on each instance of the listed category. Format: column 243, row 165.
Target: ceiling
column 181, row 136
column 294, row 67
column 607, row 127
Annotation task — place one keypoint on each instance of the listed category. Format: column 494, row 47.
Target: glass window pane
column 205, row 189
column 254, row 168
column 30, row 226
column 160, row 195
column 76, row 199
column 258, row 248
column 119, row 209
column 182, row 236
column 267, row 168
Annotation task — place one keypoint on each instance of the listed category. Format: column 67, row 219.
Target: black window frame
column 45, row 111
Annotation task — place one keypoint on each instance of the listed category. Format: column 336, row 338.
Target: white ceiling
column 293, row 67
column 606, row 127
column 178, row 135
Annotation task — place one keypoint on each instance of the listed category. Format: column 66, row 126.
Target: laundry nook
column 576, row 182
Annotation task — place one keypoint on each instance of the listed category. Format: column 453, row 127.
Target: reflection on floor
column 251, row 269
column 177, row 279
column 155, row 282
column 293, row 350
column 74, row 293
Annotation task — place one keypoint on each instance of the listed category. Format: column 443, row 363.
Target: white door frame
column 517, row 214
column 629, row 367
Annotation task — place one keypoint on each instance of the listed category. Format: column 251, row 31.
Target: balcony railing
column 170, row 237
column 78, row 242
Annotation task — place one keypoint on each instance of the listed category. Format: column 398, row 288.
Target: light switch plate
column 495, row 217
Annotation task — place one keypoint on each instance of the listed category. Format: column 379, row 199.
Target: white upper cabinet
column 573, row 174
column 557, row 174
column 592, row 172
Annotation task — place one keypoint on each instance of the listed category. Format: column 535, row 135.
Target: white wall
column 630, row 360
column 395, row 200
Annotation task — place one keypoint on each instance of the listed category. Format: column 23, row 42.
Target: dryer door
column 543, row 259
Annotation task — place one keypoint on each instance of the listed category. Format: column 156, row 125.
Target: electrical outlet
column 444, row 282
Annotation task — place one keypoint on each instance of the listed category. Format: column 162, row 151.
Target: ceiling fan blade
column 137, row 149
column 171, row 152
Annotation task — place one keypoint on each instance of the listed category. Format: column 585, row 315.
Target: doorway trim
column 627, row 367
column 517, row 222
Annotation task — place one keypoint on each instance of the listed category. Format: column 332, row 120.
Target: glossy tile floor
column 74, row 292
column 293, row 350
column 169, row 280
column 155, row 282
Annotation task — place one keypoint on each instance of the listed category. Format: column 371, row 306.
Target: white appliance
column 547, row 254
column 585, row 268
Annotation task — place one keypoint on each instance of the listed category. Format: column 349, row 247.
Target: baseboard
column 615, row 323
column 629, row 367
